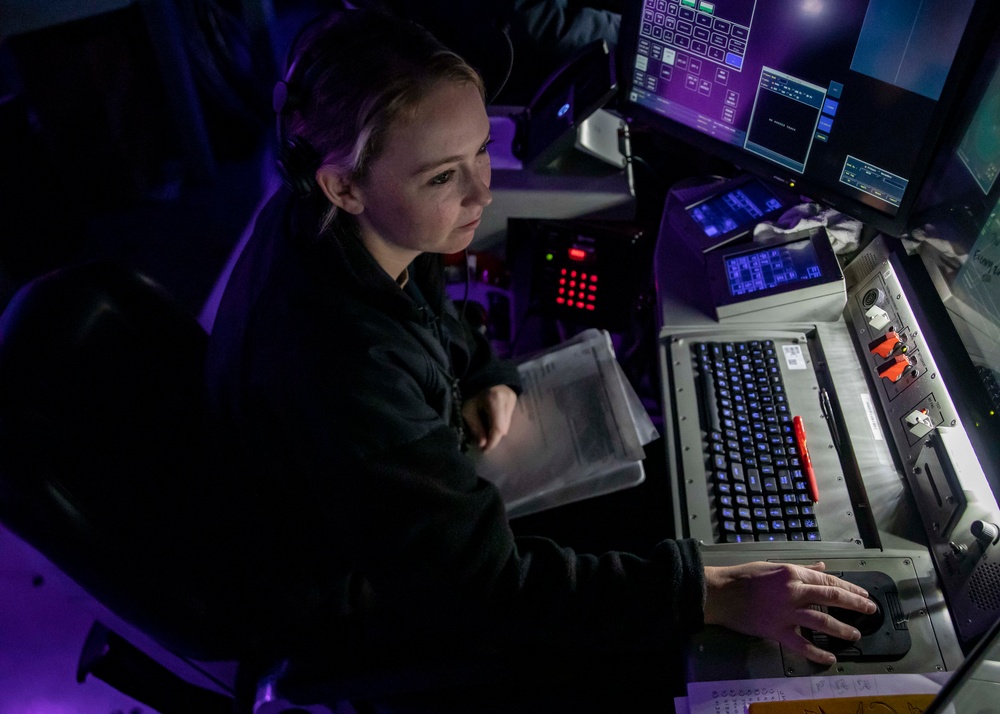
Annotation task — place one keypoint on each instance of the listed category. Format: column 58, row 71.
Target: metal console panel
column 927, row 413
column 877, row 491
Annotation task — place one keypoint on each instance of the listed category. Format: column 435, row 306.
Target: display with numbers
column 799, row 278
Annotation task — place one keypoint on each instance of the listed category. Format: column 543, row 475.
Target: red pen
column 807, row 464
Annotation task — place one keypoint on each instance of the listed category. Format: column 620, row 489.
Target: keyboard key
column 736, row 469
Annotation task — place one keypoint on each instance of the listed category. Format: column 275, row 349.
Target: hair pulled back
column 351, row 76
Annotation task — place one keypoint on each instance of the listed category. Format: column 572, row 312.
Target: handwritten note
column 733, row 697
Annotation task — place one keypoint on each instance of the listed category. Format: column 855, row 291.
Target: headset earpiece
column 297, row 162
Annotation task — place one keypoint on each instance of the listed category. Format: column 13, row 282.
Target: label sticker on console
column 794, row 359
column 872, row 417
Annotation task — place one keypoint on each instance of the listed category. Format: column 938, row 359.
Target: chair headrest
column 101, row 455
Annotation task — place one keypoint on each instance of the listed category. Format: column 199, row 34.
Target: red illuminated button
column 577, row 254
column 894, row 368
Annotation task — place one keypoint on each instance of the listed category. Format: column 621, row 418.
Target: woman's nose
column 479, row 190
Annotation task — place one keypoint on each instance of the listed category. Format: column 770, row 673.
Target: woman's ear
column 341, row 190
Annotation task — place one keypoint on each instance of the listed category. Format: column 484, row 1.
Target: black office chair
column 104, row 471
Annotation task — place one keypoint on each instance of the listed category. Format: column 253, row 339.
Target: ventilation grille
column 862, row 266
column 984, row 587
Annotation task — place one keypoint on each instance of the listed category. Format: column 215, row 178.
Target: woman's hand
column 488, row 415
column 774, row 600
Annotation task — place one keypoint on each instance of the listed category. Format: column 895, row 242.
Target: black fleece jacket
column 363, row 522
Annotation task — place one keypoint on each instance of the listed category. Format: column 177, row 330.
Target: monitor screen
column 843, row 100
column 964, row 184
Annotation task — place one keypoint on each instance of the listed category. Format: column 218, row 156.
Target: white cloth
column 844, row 231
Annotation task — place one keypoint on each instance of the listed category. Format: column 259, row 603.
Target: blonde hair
column 357, row 73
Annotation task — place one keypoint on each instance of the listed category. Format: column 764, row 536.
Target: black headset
column 297, row 160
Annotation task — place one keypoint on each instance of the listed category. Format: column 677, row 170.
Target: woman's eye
column 442, row 178
column 483, row 148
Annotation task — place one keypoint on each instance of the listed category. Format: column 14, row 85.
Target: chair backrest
column 102, row 465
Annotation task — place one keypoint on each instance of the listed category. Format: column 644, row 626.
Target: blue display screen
column 770, row 268
column 734, row 210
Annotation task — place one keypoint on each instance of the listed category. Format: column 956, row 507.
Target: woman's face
column 427, row 189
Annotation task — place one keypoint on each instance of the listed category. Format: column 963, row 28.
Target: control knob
column 984, row 532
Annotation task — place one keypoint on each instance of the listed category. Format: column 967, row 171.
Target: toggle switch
column 877, row 317
column 919, row 423
column 885, row 345
column 894, row 369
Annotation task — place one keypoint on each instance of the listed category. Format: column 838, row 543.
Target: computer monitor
column 844, row 100
column 964, row 183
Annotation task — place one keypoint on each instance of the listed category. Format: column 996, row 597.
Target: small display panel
column 769, row 268
column 734, row 210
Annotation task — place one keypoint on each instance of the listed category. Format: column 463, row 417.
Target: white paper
column 578, row 429
column 733, row 696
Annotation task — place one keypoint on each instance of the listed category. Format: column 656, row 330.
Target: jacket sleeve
column 485, row 369
column 432, row 539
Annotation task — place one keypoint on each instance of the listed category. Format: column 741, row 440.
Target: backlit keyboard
column 752, row 461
